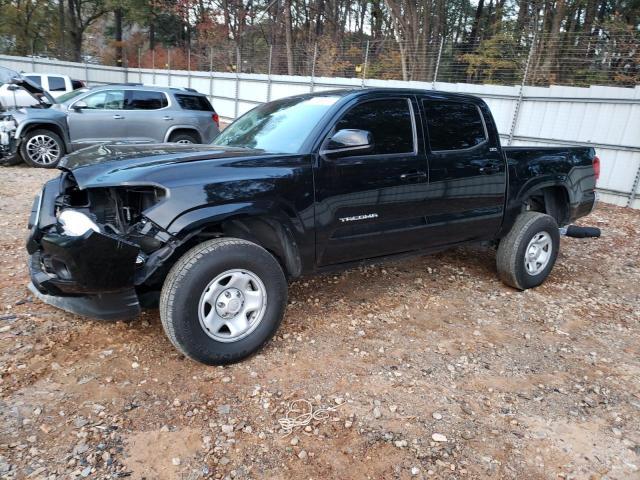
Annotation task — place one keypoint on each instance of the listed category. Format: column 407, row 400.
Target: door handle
column 118, row 117
column 413, row 176
column 489, row 169
column 167, row 118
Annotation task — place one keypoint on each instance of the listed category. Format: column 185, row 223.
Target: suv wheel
column 527, row 254
column 222, row 300
column 41, row 149
column 184, row 138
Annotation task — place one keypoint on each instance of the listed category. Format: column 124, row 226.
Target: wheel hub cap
column 43, row 150
column 232, row 305
column 229, row 303
column 538, row 253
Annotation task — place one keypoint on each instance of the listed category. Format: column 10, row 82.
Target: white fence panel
column 607, row 118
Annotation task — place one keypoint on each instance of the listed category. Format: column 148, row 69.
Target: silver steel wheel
column 232, row 305
column 43, row 150
column 538, row 253
column 184, row 141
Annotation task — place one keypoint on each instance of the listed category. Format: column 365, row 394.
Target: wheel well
column 189, row 131
column 266, row 232
column 553, row 201
column 46, row 126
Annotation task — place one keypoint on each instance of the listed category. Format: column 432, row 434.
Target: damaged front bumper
column 8, row 141
column 92, row 274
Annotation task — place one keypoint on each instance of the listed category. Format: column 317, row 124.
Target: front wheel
column 41, row 149
column 223, row 300
column 527, row 254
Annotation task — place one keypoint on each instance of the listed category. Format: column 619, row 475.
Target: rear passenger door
column 372, row 204
column 467, row 172
column 146, row 117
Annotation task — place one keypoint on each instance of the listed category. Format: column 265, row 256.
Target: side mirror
column 13, row 88
column 349, row 140
column 79, row 105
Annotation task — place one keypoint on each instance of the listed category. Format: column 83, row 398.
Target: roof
column 357, row 92
column 157, row 88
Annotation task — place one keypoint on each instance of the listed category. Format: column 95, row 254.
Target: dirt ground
column 430, row 368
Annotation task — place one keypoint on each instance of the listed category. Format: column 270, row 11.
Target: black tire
column 184, row 137
column 190, row 277
column 512, row 250
column 50, row 137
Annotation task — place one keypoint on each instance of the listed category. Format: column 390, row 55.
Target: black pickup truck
column 293, row 187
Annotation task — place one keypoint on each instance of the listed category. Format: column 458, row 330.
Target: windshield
column 278, row 127
column 71, row 95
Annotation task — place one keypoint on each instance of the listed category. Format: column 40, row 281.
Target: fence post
column 269, row 74
column 169, row 67
column 366, row 62
column 237, row 92
column 86, row 72
column 126, row 66
column 139, row 66
column 313, row 67
column 189, row 67
column 153, row 64
column 435, row 73
column 516, row 111
column 211, row 74
column 634, row 189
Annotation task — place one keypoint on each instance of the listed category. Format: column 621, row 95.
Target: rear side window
column 145, row 100
column 389, row 122
column 193, row 102
column 56, row 84
column 37, row 79
column 453, row 125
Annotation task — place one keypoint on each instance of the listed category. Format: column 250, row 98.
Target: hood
column 107, row 164
column 14, row 78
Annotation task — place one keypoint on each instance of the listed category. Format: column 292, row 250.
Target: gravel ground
column 428, row 367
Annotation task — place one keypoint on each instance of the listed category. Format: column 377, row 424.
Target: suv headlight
column 76, row 224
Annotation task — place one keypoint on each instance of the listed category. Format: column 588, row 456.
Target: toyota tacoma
column 295, row 186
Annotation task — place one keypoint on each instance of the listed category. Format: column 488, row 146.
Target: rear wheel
column 527, row 254
column 41, row 149
column 184, row 138
column 222, row 300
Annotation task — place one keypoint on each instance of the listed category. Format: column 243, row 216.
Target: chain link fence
column 503, row 59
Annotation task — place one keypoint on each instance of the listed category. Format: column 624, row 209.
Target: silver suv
column 107, row 114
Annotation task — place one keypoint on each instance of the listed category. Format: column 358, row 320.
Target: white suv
column 54, row 83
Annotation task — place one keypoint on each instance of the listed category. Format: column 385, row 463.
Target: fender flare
column 37, row 123
column 262, row 224
column 181, row 127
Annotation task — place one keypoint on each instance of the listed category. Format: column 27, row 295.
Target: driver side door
column 371, row 203
column 101, row 119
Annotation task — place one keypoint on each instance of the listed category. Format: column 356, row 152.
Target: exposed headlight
column 75, row 223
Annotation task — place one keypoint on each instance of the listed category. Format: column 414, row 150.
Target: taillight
column 596, row 167
column 216, row 119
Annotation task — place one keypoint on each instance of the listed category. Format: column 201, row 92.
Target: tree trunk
column 118, row 36
column 473, row 38
column 288, row 36
column 61, row 22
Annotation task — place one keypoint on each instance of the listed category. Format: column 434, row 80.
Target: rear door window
column 56, row 84
column 389, row 122
column 453, row 125
column 193, row 102
column 145, row 100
